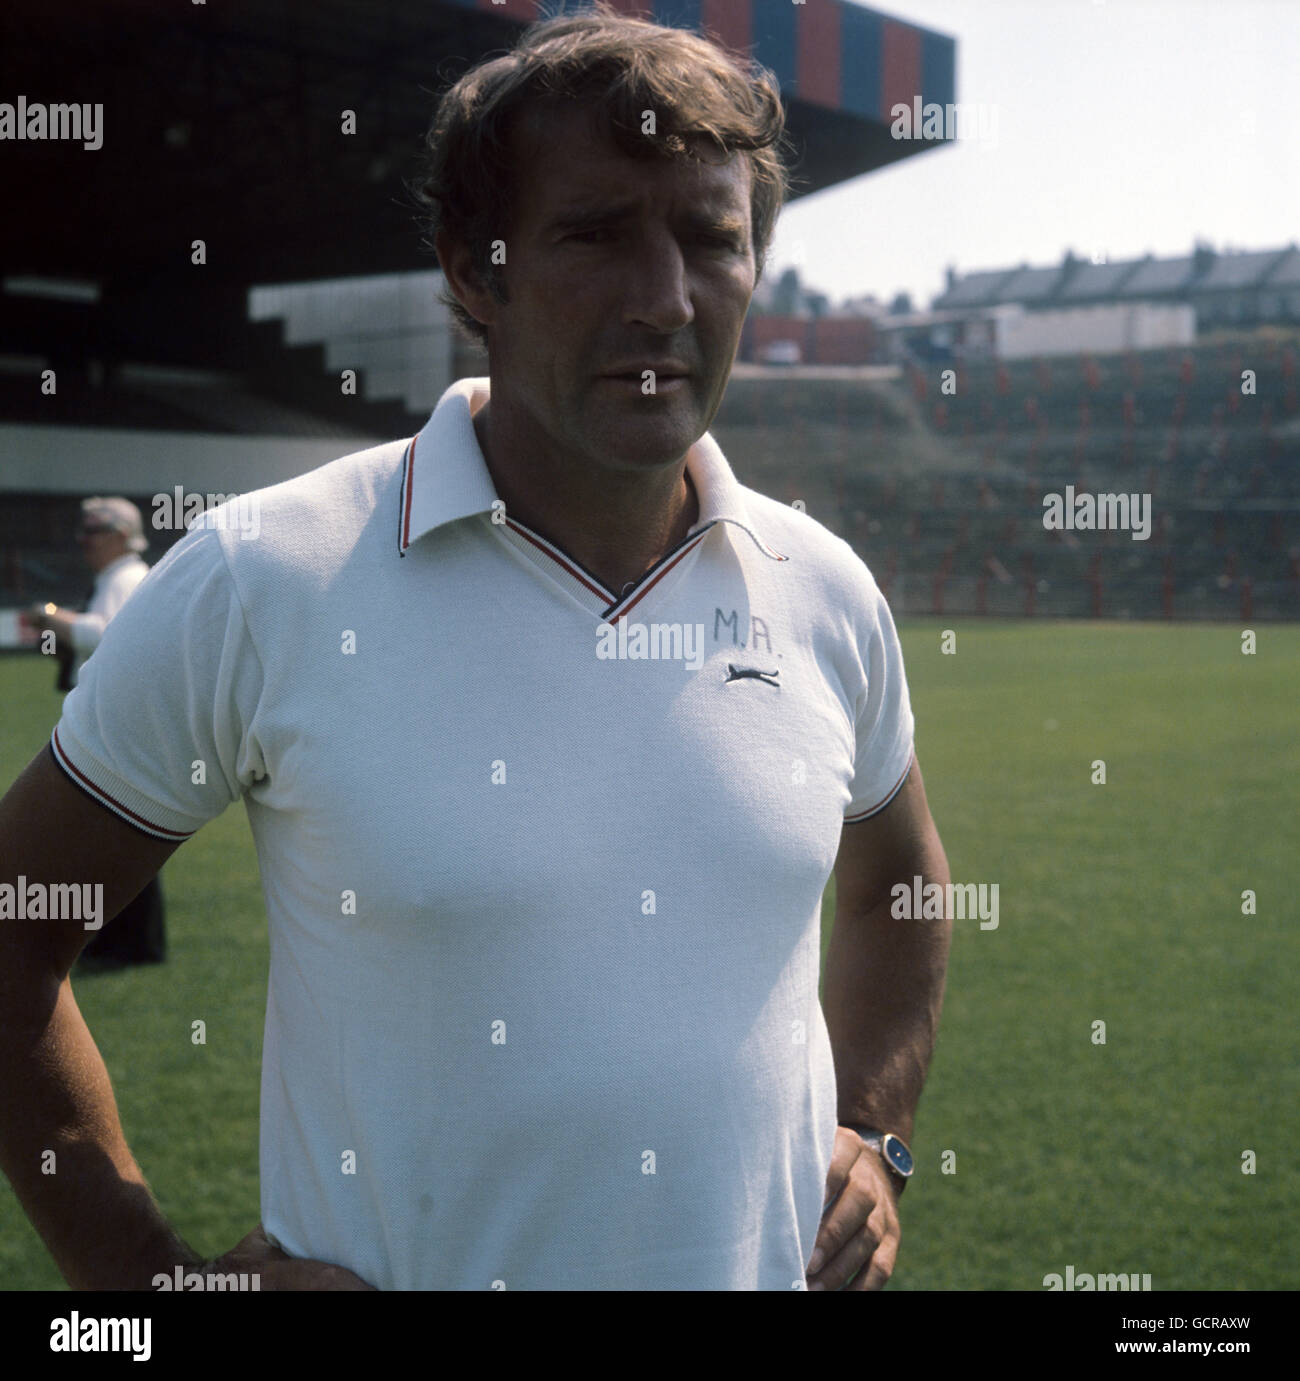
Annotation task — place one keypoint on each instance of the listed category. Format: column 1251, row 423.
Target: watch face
column 896, row 1153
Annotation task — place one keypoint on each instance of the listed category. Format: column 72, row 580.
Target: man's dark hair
column 702, row 98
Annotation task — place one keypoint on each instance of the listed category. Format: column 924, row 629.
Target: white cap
column 121, row 515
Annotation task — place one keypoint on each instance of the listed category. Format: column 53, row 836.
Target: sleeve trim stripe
column 80, row 779
column 861, row 815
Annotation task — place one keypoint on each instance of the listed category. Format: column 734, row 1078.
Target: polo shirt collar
column 720, row 495
column 445, row 476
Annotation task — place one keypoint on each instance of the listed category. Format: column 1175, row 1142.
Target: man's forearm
column 62, row 1147
column 882, row 996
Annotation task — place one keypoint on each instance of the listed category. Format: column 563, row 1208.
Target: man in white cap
column 111, row 537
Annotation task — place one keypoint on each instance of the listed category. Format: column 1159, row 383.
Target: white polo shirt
column 544, row 923
column 114, row 585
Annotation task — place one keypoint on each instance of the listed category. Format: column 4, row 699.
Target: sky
column 1113, row 128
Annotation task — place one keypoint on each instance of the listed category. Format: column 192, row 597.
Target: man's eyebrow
column 589, row 213
column 576, row 218
column 727, row 222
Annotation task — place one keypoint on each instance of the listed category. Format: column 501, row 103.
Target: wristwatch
column 893, row 1150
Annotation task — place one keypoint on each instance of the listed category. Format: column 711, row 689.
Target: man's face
column 100, row 545
column 614, row 266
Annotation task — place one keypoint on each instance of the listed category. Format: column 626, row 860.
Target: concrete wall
column 1100, row 330
column 391, row 325
column 102, row 460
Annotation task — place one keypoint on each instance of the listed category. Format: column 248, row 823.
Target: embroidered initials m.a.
column 757, row 630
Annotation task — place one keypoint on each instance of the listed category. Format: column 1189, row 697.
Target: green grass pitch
column 1118, row 903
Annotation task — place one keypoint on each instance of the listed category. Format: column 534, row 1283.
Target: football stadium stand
column 249, row 149
column 222, row 129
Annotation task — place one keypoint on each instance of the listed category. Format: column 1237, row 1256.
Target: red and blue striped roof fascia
column 730, row 22
column 900, row 65
column 832, row 53
column 818, row 76
column 938, row 69
column 886, row 63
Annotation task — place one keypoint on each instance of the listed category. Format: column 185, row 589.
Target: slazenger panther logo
column 736, row 673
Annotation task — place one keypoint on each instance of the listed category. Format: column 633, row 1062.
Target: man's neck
column 616, row 525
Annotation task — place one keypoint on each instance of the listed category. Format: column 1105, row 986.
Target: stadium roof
column 222, row 122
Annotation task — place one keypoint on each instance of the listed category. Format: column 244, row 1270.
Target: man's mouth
column 649, row 376
column 662, row 383
column 661, row 369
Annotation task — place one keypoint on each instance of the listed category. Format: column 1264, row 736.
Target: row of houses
column 1223, row 289
column 1025, row 311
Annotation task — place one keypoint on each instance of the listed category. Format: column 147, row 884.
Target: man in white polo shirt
column 550, row 734
column 111, row 537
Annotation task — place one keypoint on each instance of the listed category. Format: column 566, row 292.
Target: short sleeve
column 161, row 727
column 884, row 722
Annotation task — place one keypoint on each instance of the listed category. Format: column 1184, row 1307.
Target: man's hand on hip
column 859, row 1232
column 280, row 1271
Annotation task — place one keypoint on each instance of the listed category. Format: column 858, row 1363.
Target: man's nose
column 658, row 292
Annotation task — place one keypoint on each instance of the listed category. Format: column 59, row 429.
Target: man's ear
column 457, row 264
